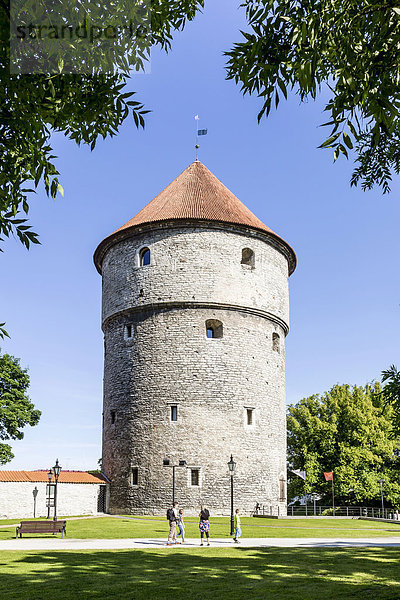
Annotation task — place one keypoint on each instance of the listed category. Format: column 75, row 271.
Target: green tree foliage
column 16, row 410
column 81, row 91
column 78, row 88
column 349, row 48
column 347, row 430
column 391, row 394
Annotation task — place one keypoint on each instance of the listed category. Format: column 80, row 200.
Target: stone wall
column 16, row 499
column 157, row 355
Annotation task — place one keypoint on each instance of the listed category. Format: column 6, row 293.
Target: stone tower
column 195, row 314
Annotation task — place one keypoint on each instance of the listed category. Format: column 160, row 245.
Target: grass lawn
column 142, row 527
column 202, row 573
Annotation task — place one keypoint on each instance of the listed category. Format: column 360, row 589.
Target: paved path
column 58, row 543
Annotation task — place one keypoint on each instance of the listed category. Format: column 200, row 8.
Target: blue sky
column 345, row 293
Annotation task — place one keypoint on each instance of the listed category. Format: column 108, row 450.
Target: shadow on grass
column 284, row 574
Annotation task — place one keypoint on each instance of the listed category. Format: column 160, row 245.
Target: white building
column 78, row 493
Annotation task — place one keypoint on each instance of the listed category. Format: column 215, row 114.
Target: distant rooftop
column 41, row 475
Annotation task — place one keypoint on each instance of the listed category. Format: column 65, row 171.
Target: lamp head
column 231, row 465
column 56, row 469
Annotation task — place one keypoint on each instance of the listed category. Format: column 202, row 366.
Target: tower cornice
column 182, row 305
column 268, row 237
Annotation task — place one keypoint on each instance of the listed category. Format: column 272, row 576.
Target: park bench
column 41, row 527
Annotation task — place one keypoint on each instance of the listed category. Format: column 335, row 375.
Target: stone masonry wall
column 195, row 265
column 168, row 360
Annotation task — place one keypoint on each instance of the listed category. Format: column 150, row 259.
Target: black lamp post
column 232, row 467
column 56, row 471
column 50, row 477
column 167, row 463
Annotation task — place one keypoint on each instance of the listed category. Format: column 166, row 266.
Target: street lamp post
column 232, row 467
column 167, row 463
column 50, row 477
column 383, row 506
column 56, row 471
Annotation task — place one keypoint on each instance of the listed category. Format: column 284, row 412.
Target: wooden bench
column 41, row 527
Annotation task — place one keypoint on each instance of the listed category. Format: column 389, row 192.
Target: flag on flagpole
column 328, row 476
column 202, row 132
column 299, row 473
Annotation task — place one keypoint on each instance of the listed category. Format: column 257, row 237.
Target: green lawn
column 142, row 527
column 202, row 573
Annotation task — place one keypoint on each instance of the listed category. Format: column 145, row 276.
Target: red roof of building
column 38, row 476
column 196, row 194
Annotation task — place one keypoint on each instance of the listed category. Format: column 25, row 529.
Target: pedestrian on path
column 204, row 524
column 172, row 516
column 181, row 525
column 238, row 530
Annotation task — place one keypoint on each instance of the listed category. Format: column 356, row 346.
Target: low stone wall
column 16, row 499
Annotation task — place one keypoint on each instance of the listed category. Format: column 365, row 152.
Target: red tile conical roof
column 196, row 194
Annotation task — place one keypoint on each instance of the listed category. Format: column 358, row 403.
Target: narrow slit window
column 276, row 342
column 214, row 329
column 113, row 414
column 249, row 416
column 144, row 257
column 282, row 489
column 128, row 332
column 174, row 413
column 248, row 257
column 135, row 476
column 195, row 477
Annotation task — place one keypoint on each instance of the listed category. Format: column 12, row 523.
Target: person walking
column 172, row 516
column 238, row 530
column 181, row 525
column 204, row 525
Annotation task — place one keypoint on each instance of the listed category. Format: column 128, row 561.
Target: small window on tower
column 248, row 257
column 282, row 489
column 113, row 415
column 135, row 476
column 144, row 257
column 214, row 329
column 276, row 342
column 174, row 413
column 249, row 414
column 195, row 477
column 128, row 332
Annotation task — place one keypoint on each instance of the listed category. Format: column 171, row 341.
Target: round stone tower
column 195, row 314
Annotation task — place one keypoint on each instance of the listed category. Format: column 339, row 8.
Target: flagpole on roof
column 198, row 133
column 197, row 137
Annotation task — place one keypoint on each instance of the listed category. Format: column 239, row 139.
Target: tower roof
column 196, row 194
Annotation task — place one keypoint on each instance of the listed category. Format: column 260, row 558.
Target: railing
column 340, row 511
column 315, row 510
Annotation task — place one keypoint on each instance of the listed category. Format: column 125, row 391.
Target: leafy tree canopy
column 347, row 430
column 76, row 87
column 391, row 394
column 350, row 48
column 16, row 410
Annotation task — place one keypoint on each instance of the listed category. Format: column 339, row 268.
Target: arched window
column 214, row 329
column 276, row 342
column 144, row 257
column 248, row 257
